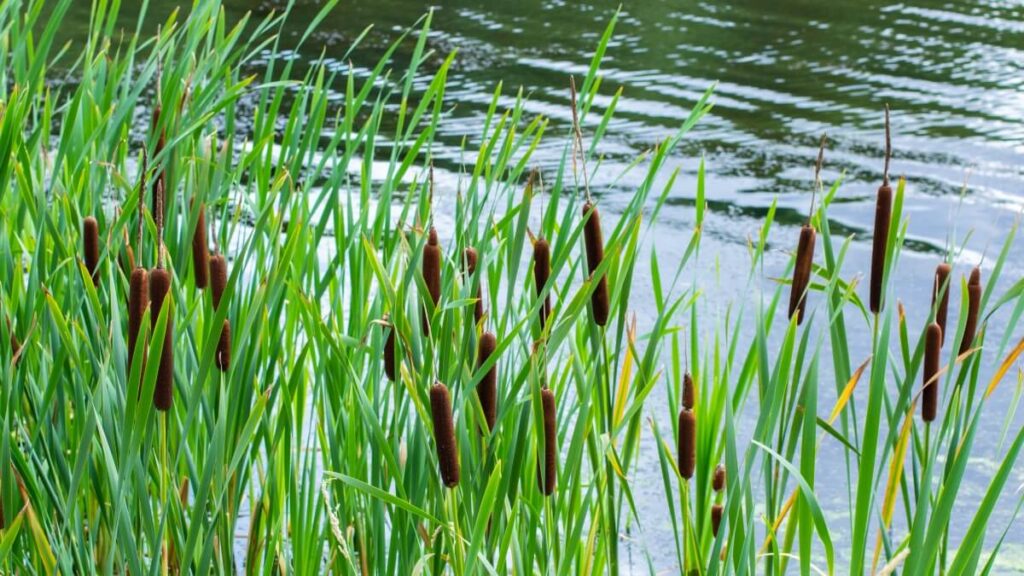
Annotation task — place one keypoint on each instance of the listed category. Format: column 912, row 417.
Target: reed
column 930, row 392
column 940, row 296
column 431, row 276
column 444, row 434
column 687, row 443
column 470, row 259
column 973, row 308
column 883, row 222
column 547, row 477
column 200, row 251
column 487, row 389
column 541, row 273
column 159, row 288
column 594, row 240
column 91, row 247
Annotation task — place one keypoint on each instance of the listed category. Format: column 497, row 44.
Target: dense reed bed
column 296, row 373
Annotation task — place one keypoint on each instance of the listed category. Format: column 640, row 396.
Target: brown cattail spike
column 218, row 278
column 802, row 273
column 930, row 394
column 159, row 287
column 689, row 394
column 973, row 308
column 138, row 300
column 390, row 365
column 444, row 434
column 431, row 276
column 940, row 293
column 550, row 472
column 91, row 246
column 200, row 251
column 594, row 240
column 883, row 217
column 718, row 481
column 687, row 442
column 541, row 273
column 224, row 347
column 487, row 389
column 717, row 512
column 470, row 259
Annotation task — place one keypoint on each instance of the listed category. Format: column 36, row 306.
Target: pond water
column 786, row 72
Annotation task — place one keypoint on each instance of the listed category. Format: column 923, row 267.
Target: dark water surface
column 787, row 71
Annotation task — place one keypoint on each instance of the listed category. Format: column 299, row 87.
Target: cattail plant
column 689, row 394
column 91, row 247
column 718, row 480
column 930, row 394
column 883, row 220
column 200, row 251
column 546, row 478
column 487, row 389
column 594, row 241
column 940, row 296
column 390, row 365
column 469, row 260
column 223, row 358
column 716, row 518
column 444, row 434
column 802, row 273
column 687, row 442
column 973, row 308
column 541, row 273
column 138, row 301
column 159, row 287
column 431, row 276
column 218, row 278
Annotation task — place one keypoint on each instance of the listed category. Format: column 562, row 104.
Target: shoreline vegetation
column 229, row 351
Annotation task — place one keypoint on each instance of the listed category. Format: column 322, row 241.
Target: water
column 953, row 74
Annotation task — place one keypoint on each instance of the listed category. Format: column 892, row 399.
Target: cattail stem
column 431, row 276
column 200, row 251
column 802, row 273
column 91, row 247
column 930, row 394
column 594, row 241
column 487, row 389
column 547, row 477
column 940, row 296
column 444, row 434
column 687, row 442
column 541, row 273
column 159, row 287
column 973, row 308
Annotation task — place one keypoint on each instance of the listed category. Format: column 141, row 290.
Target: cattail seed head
column 930, row 394
column 940, row 293
column 91, row 246
column 687, row 442
column 200, row 252
column 444, row 434
column 550, row 473
column 883, row 219
column 487, row 389
column 431, row 275
column 973, row 308
column 689, row 393
column 802, row 273
column 718, row 481
column 138, row 301
column 541, row 273
column 218, row 278
column 470, row 259
column 717, row 512
column 223, row 357
column 594, row 240
column 390, row 365
column 159, row 287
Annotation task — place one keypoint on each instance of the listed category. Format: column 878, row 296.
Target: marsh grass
column 305, row 453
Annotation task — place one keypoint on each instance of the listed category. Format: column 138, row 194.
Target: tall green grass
column 304, row 457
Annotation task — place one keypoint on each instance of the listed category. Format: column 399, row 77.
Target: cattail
column 224, row 347
column 470, row 259
column 802, row 273
column 200, row 252
column 138, row 300
column 973, row 307
column 594, row 241
column 687, row 442
column 444, row 434
column 431, row 275
column 932, row 349
column 541, row 273
column 718, row 481
column 883, row 220
column 487, row 389
column 160, row 182
column 390, row 366
column 689, row 394
column 547, row 481
column 218, row 278
column 716, row 518
column 159, row 287
column 91, row 246
column 941, row 288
